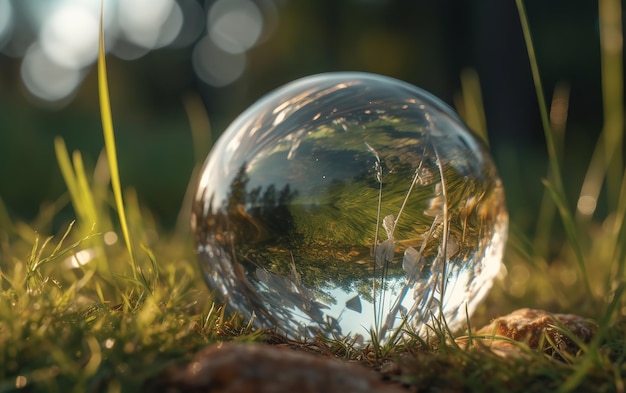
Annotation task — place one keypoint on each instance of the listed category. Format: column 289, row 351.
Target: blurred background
column 167, row 58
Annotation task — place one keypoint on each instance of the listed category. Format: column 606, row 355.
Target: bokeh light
column 58, row 39
column 69, row 37
column 215, row 66
column 141, row 20
column 235, row 25
column 171, row 26
column 192, row 25
column 46, row 79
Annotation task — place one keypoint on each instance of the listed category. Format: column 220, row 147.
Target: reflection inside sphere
column 347, row 204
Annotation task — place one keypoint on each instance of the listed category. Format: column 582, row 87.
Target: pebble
column 238, row 368
column 531, row 327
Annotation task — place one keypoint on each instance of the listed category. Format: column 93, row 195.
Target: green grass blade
column 543, row 109
column 610, row 18
column 67, row 172
column 59, row 253
column 91, row 217
column 82, row 197
column 556, row 183
column 63, row 238
column 109, row 142
column 545, row 218
column 619, row 232
column 200, row 127
column 611, row 52
column 473, row 108
column 606, row 160
column 86, row 196
column 77, row 184
column 570, row 230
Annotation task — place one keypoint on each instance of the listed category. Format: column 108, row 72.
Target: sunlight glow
column 81, row 258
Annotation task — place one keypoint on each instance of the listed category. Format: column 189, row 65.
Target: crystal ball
column 350, row 205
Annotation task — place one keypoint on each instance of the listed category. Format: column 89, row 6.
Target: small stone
column 235, row 368
column 532, row 327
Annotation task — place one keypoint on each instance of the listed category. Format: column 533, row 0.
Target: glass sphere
column 350, row 204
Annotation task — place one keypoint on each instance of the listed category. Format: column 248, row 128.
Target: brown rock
column 238, row 368
column 537, row 329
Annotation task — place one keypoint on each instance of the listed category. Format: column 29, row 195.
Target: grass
column 90, row 310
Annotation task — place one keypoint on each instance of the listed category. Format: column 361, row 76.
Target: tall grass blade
column 570, row 230
column 592, row 184
column 611, row 51
column 81, row 196
column 556, row 183
column 87, row 199
column 607, row 156
column 606, row 165
column 200, row 126
column 67, row 172
column 610, row 13
column 619, row 232
column 77, row 184
column 558, row 120
column 473, row 108
column 201, row 136
column 109, row 142
column 543, row 109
